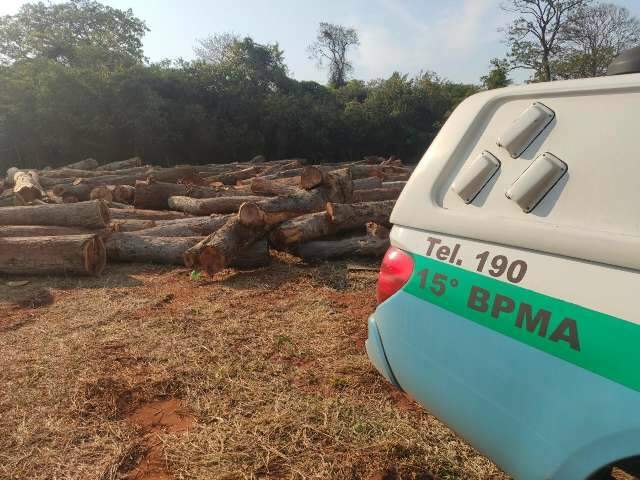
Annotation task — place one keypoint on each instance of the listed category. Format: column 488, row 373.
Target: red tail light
column 395, row 271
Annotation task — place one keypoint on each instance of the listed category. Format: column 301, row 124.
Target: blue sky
column 454, row 38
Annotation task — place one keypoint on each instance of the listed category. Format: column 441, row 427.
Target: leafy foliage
column 498, row 76
column 76, row 33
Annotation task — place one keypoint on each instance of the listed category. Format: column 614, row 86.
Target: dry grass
column 268, row 366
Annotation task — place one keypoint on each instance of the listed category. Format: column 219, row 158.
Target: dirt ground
column 147, row 373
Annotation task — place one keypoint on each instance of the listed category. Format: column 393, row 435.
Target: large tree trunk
column 7, row 199
column 93, row 214
column 27, row 187
column 231, row 178
column 356, row 215
column 124, row 194
column 186, row 227
column 221, row 248
column 102, row 193
column 140, row 214
column 133, row 225
column 86, row 164
column 131, row 247
column 175, row 174
column 73, row 173
column 73, row 193
column 41, row 231
column 72, row 254
column 376, row 195
column 155, row 195
column 337, row 187
column 127, row 179
column 207, row 206
column 374, row 244
column 367, row 183
column 129, row 163
column 285, row 186
column 302, row 229
column 278, row 209
column 394, row 185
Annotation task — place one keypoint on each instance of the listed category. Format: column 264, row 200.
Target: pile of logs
column 207, row 217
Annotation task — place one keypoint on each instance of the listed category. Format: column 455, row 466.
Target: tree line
column 75, row 83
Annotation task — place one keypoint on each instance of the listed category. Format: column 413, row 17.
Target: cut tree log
column 356, row 215
column 285, row 186
column 86, row 164
column 376, row 194
column 367, row 183
column 27, row 187
column 231, row 178
column 104, row 180
column 93, row 214
column 207, row 206
column 69, row 254
column 155, row 195
column 221, row 248
column 186, row 227
column 304, row 228
column 72, row 193
column 7, row 198
column 395, row 185
column 102, row 193
column 130, row 247
column 175, row 174
column 75, row 173
column 133, row 225
column 41, row 231
column 124, row 194
column 374, row 244
column 119, row 165
column 337, row 187
column 141, row 214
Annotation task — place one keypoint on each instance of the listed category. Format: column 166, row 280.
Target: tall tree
column 534, row 37
column 216, row 48
column 332, row 45
column 594, row 36
column 76, row 33
column 498, row 76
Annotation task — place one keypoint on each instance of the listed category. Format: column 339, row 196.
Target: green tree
column 332, row 45
column 594, row 35
column 534, row 37
column 74, row 33
column 498, row 76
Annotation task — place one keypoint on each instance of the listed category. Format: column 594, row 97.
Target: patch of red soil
column 402, row 400
column 162, row 416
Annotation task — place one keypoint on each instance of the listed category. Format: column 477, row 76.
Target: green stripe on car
column 601, row 343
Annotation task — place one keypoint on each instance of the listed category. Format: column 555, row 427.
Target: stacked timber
column 73, row 219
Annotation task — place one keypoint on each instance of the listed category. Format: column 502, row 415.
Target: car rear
column 508, row 298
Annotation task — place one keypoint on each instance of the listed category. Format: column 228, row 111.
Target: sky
column 454, row 38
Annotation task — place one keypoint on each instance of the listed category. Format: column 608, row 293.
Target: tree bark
column 175, row 174
column 140, row 214
column 286, row 186
column 71, row 254
column 132, row 225
column 86, row 164
column 278, row 209
column 302, row 229
column 366, row 245
column 356, row 215
column 207, row 206
column 394, row 185
column 93, row 214
column 119, row 165
column 231, row 178
column 186, row 227
column 155, row 195
column 367, row 183
column 376, row 195
column 131, row 247
column 27, row 187
column 124, row 194
column 127, row 179
column 79, row 192
column 102, row 193
column 41, row 231
column 221, row 248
